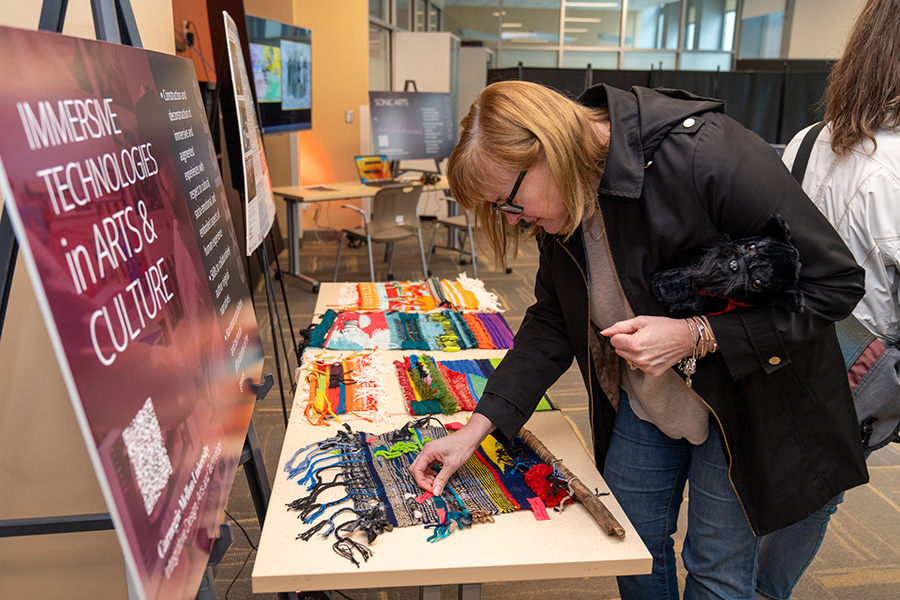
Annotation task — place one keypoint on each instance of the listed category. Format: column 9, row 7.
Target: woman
column 853, row 177
column 619, row 186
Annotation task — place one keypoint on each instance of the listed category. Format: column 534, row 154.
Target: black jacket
column 679, row 175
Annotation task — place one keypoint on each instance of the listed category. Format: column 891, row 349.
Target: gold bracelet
column 712, row 336
column 695, row 335
column 703, row 342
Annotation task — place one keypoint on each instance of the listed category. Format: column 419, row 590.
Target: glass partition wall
column 618, row 34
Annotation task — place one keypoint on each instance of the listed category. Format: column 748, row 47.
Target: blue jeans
column 646, row 471
column 785, row 554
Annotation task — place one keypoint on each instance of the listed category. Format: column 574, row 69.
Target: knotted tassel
column 345, row 546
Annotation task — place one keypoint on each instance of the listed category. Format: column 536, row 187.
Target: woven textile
column 377, row 491
column 342, row 384
column 447, row 330
column 433, row 386
column 418, row 296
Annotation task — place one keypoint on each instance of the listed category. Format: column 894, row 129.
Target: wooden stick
column 591, row 502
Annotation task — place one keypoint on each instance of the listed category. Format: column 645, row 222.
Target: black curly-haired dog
column 753, row 271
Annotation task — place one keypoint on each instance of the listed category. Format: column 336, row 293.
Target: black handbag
column 873, row 369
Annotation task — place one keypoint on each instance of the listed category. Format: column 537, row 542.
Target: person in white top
column 853, row 177
column 859, row 193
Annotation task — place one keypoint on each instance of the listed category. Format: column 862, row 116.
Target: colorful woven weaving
column 445, row 386
column 447, row 330
column 418, row 296
column 340, row 385
column 377, row 491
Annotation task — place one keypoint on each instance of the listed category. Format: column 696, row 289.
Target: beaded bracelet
column 688, row 365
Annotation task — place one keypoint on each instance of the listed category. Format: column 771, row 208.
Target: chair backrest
column 395, row 206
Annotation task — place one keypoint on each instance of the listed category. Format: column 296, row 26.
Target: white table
column 294, row 196
column 514, row 547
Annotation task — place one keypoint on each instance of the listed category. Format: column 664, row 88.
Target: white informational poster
column 259, row 203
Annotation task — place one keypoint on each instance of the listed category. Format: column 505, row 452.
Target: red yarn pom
column 536, row 478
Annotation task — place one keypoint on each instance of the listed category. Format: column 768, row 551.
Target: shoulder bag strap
column 798, row 170
column 852, row 335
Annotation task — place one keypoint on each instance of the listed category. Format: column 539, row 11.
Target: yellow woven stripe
column 489, row 484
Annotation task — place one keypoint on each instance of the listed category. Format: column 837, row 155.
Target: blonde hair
column 511, row 125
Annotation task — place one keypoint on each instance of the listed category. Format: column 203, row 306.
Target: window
column 421, row 14
column 707, row 24
column 653, row 25
column 531, row 23
column 473, row 23
column 379, row 9
column 684, row 34
column 402, row 14
column 644, row 61
column 379, row 58
column 592, row 23
column 434, row 18
column 533, row 58
column 573, row 59
column 761, row 35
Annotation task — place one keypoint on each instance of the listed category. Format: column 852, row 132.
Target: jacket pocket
column 786, row 383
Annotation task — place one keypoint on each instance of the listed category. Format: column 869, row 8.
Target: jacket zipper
column 590, row 355
column 730, row 462
column 590, row 385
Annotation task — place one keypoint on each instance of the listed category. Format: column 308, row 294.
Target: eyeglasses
column 508, row 206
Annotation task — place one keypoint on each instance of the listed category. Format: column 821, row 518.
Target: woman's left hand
column 651, row 344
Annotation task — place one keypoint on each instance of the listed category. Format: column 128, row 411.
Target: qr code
column 147, row 452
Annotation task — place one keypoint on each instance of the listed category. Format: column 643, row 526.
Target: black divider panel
column 803, row 96
column 774, row 104
column 702, row 83
column 568, row 81
column 753, row 99
column 495, row 75
column 624, row 80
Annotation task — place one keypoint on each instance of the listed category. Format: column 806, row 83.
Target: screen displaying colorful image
column 281, row 57
column 266, row 64
column 373, row 168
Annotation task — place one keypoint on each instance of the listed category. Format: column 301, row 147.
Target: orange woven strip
column 480, row 331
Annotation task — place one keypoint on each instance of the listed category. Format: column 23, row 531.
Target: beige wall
column 44, row 465
column 340, row 33
column 154, row 19
column 819, row 28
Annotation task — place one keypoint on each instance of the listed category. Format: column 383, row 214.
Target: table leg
column 293, row 233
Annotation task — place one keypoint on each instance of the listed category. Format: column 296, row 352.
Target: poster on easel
column 259, row 203
column 110, row 179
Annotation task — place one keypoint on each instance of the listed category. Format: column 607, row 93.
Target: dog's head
column 757, row 271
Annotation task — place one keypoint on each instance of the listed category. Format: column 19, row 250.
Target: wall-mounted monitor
column 409, row 125
column 281, row 59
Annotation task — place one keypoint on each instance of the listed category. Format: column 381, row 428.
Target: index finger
column 627, row 327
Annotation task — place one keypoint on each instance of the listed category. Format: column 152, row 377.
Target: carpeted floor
column 859, row 560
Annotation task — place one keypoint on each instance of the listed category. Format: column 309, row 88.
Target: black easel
column 114, row 22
